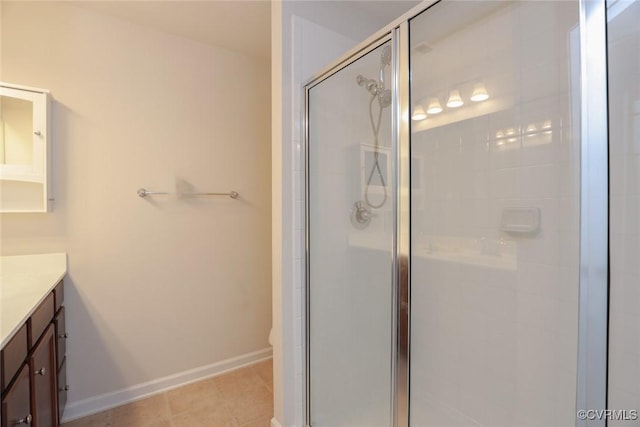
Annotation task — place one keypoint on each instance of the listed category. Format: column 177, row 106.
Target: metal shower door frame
column 592, row 375
column 398, row 37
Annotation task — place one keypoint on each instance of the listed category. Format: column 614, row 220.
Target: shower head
column 384, row 98
column 385, row 59
column 376, row 87
column 385, row 56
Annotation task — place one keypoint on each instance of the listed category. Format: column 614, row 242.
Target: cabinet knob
column 37, row 132
column 65, row 388
column 41, row 371
column 25, row 420
column 65, row 335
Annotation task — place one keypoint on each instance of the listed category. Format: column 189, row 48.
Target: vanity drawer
column 12, row 356
column 41, row 318
column 58, row 293
column 61, row 335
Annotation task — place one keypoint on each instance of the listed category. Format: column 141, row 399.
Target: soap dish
column 520, row 220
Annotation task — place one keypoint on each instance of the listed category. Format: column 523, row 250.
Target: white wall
column 162, row 285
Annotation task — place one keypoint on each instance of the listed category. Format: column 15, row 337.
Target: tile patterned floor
column 241, row 398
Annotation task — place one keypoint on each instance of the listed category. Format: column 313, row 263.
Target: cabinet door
column 16, row 408
column 24, row 149
column 43, row 385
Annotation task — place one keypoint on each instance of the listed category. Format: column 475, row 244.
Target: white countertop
column 25, row 281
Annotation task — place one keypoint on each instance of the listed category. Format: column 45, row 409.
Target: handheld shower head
column 376, row 87
column 385, row 56
column 384, row 98
column 385, row 59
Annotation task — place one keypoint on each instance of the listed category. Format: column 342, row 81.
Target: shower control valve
column 361, row 214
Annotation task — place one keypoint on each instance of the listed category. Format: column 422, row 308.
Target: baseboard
column 82, row 408
column 275, row 423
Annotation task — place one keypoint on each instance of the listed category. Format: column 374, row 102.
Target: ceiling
column 240, row 25
column 384, row 10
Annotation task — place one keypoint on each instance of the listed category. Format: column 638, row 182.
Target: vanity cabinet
column 32, row 374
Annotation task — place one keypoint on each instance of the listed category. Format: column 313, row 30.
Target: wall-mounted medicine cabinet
column 25, row 149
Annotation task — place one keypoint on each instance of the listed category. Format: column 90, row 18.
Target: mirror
column 24, row 147
column 16, row 134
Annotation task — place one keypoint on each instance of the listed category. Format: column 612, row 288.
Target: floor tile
column 241, row 398
column 215, row 416
column 264, row 370
column 101, row 419
column 261, row 422
column 236, row 383
column 253, row 404
column 149, row 412
column 193, row 397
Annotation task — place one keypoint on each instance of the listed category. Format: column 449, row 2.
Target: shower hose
column 375, row 127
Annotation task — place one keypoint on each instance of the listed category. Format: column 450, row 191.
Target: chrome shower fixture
column 361, row 212
column 385, row 59
column 384, row 98
column 376, row 87
column 361, row 215
column 369, row 84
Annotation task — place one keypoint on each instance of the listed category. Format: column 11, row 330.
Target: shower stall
column 461, row 267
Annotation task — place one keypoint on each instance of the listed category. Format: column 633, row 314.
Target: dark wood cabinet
column 12, row 356
column 16, row 408
column 44, row 392
column 61, row 350
column 61, row 336
column 63, row 387
column 34, row 367
column 40, row 319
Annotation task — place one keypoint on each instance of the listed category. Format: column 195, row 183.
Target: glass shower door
column 495, row 214
column 350, row 205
